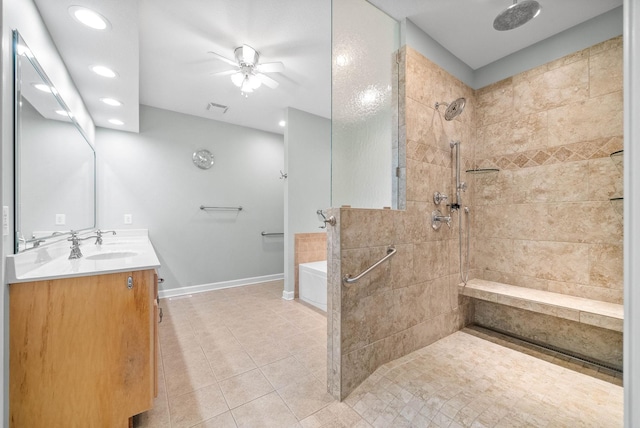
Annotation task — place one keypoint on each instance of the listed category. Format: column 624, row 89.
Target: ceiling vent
column 217, row 108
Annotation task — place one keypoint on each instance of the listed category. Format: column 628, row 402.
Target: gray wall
column 151, row 176
column 308, row 186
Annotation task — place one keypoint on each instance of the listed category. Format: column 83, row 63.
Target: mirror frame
column 19, row 41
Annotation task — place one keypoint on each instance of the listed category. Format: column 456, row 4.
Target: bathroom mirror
column 54, row 171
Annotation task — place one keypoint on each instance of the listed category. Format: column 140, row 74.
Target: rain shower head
column 516, row 15
column 454, row 109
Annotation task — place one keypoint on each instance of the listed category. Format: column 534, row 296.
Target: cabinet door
column 81, row 350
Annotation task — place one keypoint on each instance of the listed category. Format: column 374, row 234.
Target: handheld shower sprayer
column 460, row 185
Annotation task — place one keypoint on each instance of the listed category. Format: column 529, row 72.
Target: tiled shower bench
column 587, row 328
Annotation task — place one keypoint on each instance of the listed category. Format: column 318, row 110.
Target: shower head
column 454, row 109
column 516, row 15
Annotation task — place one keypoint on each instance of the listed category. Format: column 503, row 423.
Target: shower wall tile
column 605, row 180
column 552, row 183
column 588, row 222
column 402, row 266
column 554, row 88
column 495, row 254
column 586, row 120
column 606, row 266
column 605, row 68
column 524, row 133
column 408, row 225
column 545, row 220
column 604, row 294
column 505, row 221
column 434, row 260
column 496, row 188
column 334, row 306
column 417, row 186
column 558, row 261
column 357, row 225
column 494, row 103
column 516, row 279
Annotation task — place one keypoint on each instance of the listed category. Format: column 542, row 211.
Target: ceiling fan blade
column 267, row 80
column 248, row 54
column 271, row 67
column 222, row 58
column 225, row 73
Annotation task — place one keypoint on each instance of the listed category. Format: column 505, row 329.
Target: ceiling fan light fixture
column 246, row 87
column 237, row 79
column 254, row 81
column 246, row 55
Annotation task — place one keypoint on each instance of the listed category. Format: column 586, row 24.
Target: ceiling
column 465, row 27
column 160, row 49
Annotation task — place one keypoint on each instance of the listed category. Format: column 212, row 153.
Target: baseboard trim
column 288, row 295
column 194, row 289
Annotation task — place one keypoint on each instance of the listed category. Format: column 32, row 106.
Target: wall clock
column 203, row 159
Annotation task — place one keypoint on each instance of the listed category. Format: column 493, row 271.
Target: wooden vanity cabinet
column 83, row 350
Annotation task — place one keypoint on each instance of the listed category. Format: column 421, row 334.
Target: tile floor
column 243, row 357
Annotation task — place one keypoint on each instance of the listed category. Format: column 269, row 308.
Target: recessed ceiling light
column 103, row 71
column 111, row 102
column 42, row 87
column 116, row 122
column 282, row 123
column 89, row 17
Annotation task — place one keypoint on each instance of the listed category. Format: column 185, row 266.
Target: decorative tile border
column 553, row 155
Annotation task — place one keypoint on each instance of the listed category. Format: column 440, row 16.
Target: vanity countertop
column 128, row 250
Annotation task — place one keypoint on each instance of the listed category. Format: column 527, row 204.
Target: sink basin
column 112, row 255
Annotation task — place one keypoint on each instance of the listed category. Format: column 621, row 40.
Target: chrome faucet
column 100, row 232
column 437, row 219
column 75, row 244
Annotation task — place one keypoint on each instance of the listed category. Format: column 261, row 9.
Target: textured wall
column 545, row 220
column 412, row 300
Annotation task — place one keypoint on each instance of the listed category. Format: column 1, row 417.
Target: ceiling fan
column 248, row 73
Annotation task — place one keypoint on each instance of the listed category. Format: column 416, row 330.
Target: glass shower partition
column 365, row 168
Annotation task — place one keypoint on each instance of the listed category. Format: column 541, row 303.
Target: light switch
column 5, row 221
column 128, row 219
column 61, row 219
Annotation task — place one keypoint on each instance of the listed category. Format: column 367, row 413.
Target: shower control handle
column 437, row 219
column 439, row 197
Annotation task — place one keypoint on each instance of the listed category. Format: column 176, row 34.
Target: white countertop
column 132, row 250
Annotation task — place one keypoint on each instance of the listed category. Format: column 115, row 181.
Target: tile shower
column 544, row 221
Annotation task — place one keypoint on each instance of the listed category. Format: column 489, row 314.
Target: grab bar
column 202, row 207
column 272, row 234
column 390, row 252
